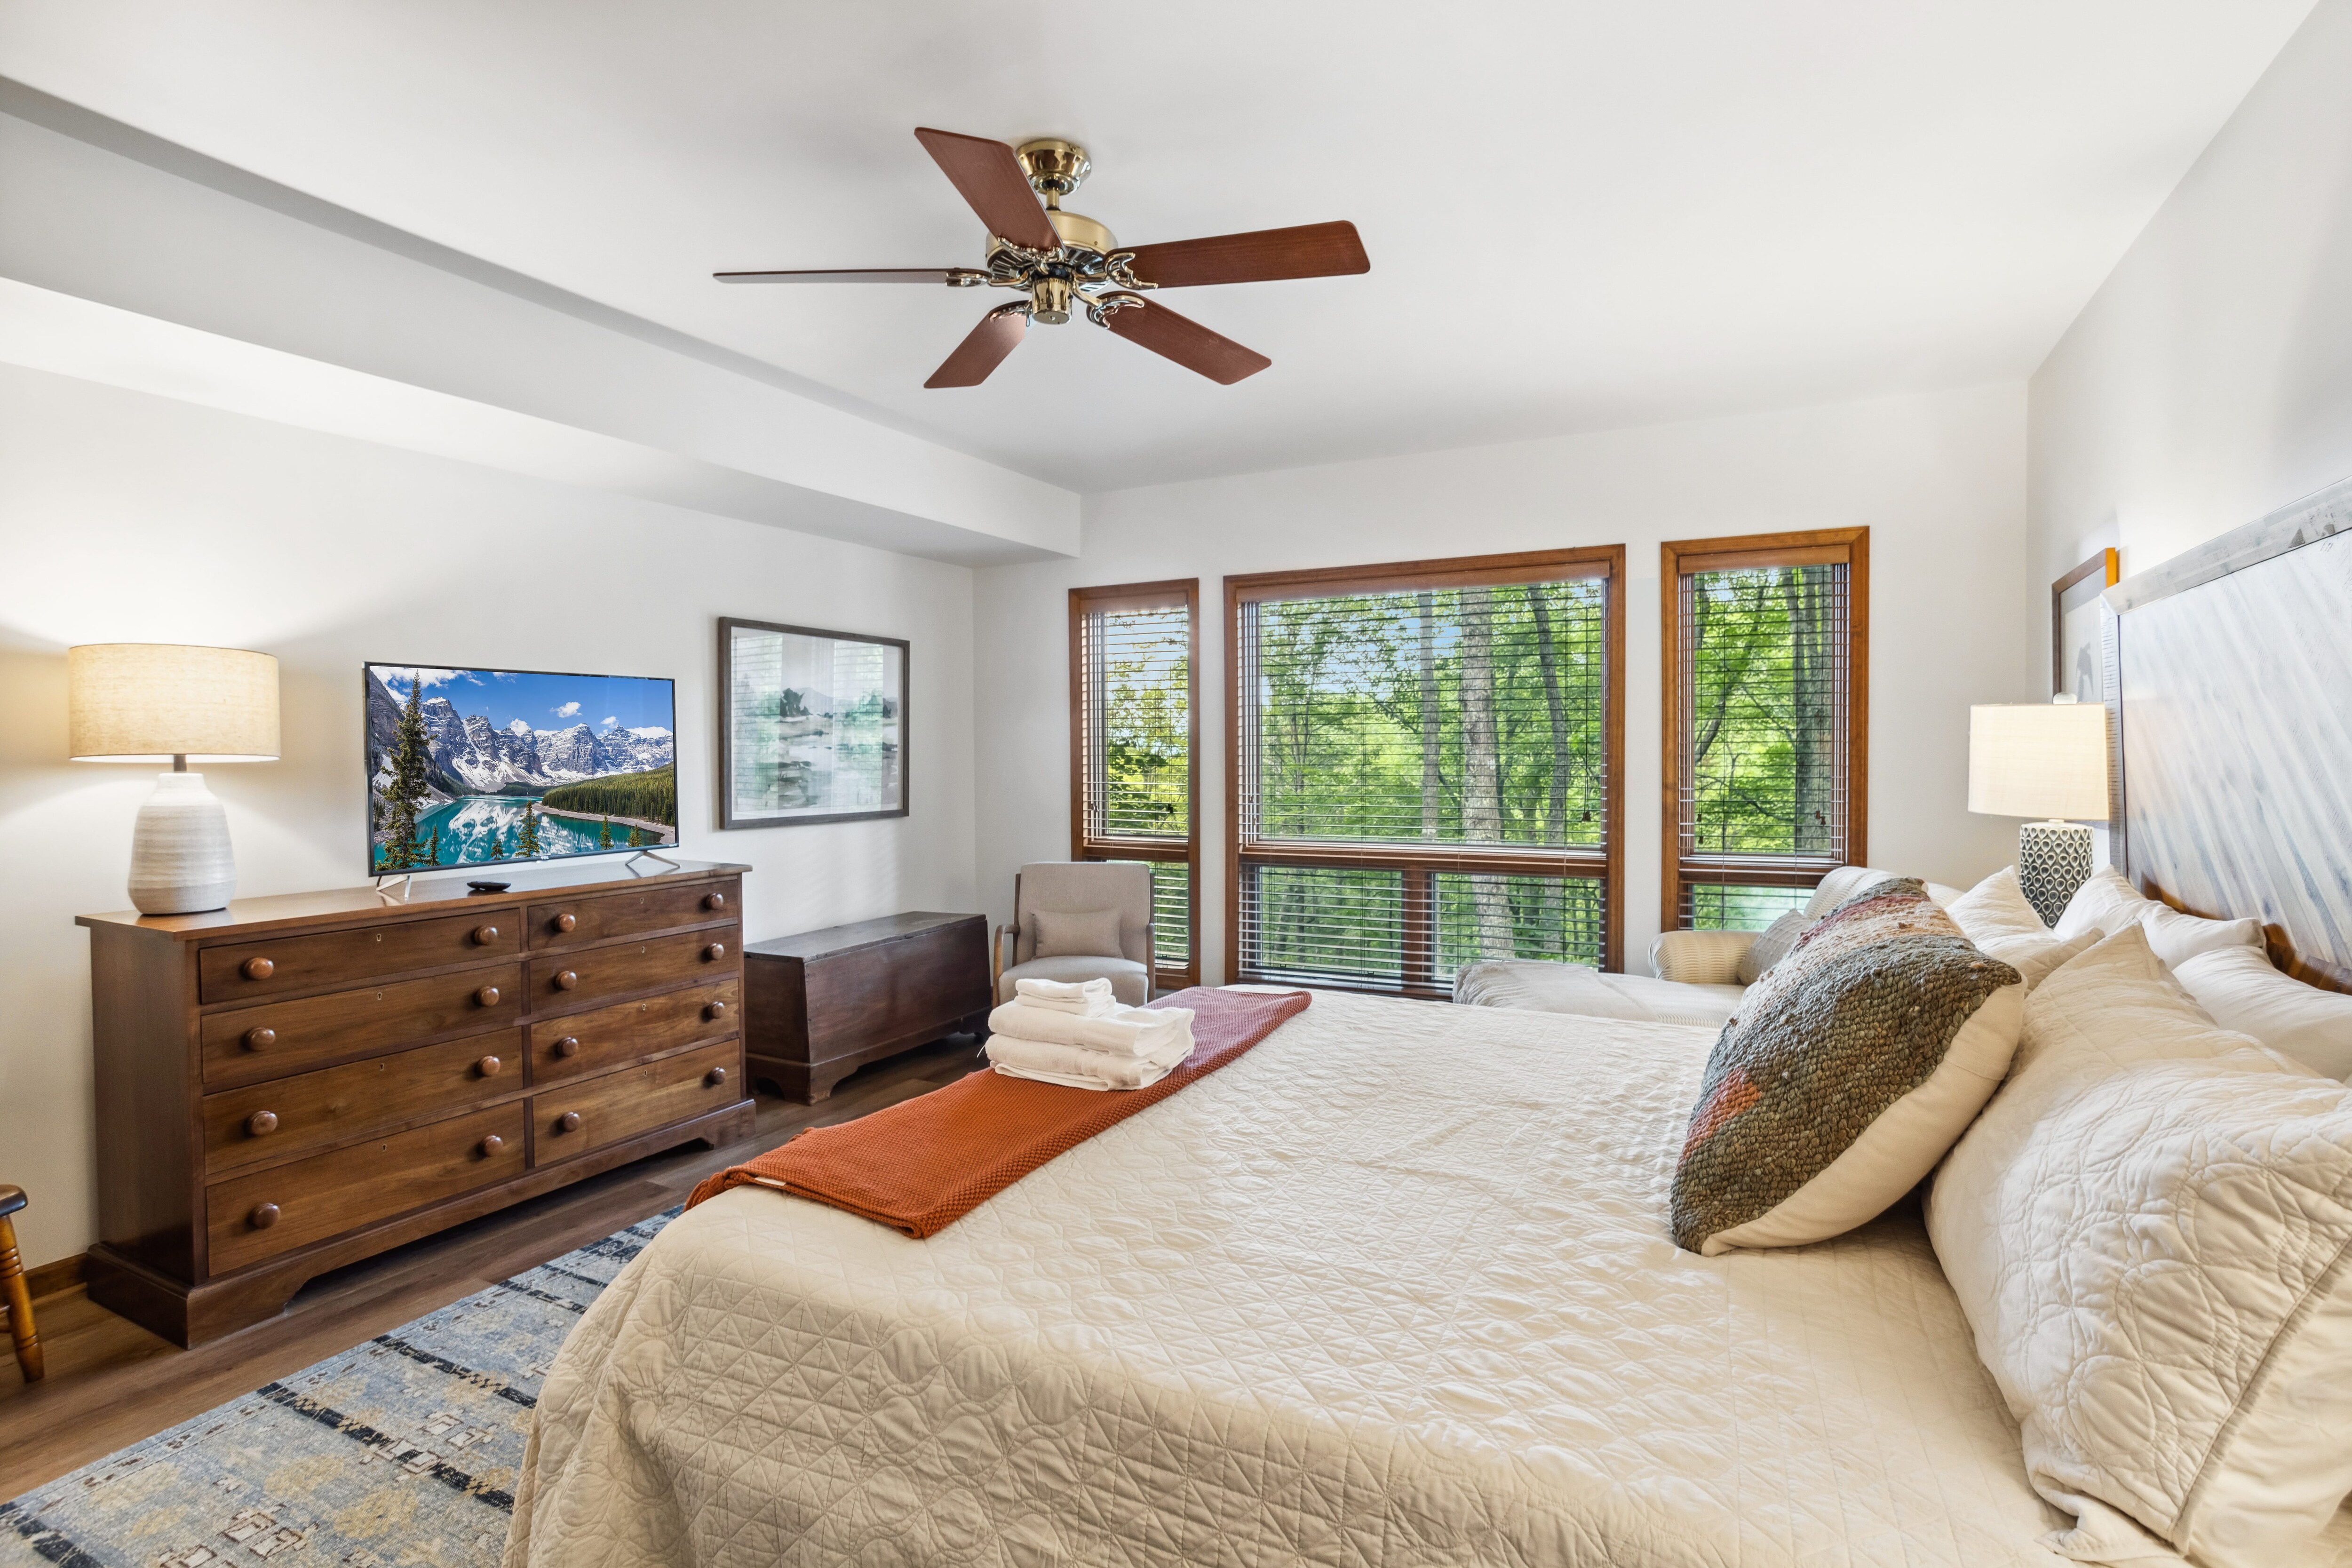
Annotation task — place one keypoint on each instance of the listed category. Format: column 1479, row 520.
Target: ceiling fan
column 1063, row 262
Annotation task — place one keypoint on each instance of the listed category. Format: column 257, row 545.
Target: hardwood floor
column 111, row 1383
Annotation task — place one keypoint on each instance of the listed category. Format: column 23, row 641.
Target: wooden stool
column 12, row 1285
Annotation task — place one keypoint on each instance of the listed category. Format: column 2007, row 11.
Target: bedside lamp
column 2046, row 760
column 151, row 702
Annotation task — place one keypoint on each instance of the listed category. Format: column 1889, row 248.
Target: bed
column 1393, row 1289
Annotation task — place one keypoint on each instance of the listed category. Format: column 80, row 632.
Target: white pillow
column 1847, row 880
column 2100, row 904
column 2037, row 958
column 1995, row 908
column 2151, row 1230
column 2240, row 988
column 2107, row 903
column 2177, row 938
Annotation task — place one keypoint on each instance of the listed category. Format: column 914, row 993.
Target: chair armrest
column 996, row 965
column 1701, row 957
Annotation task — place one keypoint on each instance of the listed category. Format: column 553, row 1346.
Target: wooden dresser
column 825, row 1002
column 291, row 1084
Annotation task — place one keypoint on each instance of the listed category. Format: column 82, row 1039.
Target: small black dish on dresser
column 488, row 887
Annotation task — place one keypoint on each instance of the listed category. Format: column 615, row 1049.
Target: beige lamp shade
column 130, row 702
column 2039, row 759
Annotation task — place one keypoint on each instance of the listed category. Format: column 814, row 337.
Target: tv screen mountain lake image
column 475, row 767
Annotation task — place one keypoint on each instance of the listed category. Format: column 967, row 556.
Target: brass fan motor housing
column 1080, row 232
column 1055, row 168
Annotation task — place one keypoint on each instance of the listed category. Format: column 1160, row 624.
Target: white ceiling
column 1582, row 214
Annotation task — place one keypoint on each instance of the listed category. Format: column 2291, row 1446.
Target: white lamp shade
column 2039, row 759
column 133, row 702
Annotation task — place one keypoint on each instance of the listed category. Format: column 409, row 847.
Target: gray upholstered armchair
column 1079, row 920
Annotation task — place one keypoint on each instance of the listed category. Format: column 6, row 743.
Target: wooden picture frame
column 752, row 741
column 2071, row 658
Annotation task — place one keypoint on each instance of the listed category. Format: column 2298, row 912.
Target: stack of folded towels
column 1077, row 1033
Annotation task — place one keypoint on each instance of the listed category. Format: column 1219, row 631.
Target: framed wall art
column 2074, row 628
column 812, row 725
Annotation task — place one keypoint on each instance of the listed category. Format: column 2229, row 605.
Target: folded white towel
column 1125, row 1031
column 1078, row 1068
column 1084, row 997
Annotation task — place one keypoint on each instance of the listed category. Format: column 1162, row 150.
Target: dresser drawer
column 245, row 1045
column 314, row 1110
column 588, row 1115
column 238, row 972
column 563, row 980
column 574, row 921
column 582, row 1044
column 256, row 1216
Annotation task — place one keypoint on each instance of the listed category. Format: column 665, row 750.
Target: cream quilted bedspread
column 1394, row 1289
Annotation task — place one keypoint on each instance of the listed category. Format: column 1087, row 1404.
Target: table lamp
column 2047, row 760
column 151, row 702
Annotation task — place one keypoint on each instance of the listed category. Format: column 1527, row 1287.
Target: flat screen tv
column 487, row 767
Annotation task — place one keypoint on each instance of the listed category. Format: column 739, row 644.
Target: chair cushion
column 1850, row 1068
column 1701, row 957
column 1129, row 982
column 1772, row 946
column 1074, row 933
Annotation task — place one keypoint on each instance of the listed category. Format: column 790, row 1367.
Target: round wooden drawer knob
column 569, row 1046
column 715, row 1010
column 485, row 935
column 256, row 968
column 261, row 1123
column 568, row 1123
column 566, row 978
column 714, row 953
column 263, row 1216
column 260, row 1038
column 487, row 995
column 714, row 900
column 716, row 1076
column 491, row 1145
column 488, row 1067
column 566, row 921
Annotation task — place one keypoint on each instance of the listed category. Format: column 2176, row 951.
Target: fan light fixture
column 1064, row 263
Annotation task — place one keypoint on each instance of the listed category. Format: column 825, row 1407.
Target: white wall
column 2210, row 379
column 125, row 517
column 1938, row 478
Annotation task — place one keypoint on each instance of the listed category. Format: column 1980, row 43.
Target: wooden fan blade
column 989, row 176
column 1185, row 340
column 951, row 276
column 1311, row 250
column 982, row 350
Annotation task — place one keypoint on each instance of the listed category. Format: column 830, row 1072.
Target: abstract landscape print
column 400, row 1451
column 814, row 727
column 475, row 767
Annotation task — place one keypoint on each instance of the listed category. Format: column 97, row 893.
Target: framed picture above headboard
column 2233, row 723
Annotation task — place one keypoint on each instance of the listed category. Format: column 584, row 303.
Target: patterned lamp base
column 2054, row 858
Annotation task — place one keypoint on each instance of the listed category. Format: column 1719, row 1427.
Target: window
column 1132, row 728
column 1424, row 768
column 1767, row 700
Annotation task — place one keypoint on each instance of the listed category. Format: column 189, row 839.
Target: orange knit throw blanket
column 925, row 1163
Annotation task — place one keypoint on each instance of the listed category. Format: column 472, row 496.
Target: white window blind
column 1423, row 778
column 1133, row 726
column 1765, row 703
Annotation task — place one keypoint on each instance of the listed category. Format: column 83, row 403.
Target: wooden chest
column 825, row 1003
column 291, row 1084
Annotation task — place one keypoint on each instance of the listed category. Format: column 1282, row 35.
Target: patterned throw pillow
column 1852, row 1065
column 1772, row 946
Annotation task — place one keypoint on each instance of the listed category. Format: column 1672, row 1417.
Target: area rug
column 401, row 1450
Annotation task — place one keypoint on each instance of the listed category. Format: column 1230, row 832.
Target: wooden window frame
column 1678, row 558
column 1605, row 561
column 1163, row 594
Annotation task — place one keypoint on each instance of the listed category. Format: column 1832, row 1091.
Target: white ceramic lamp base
column 2053, row 859
column 181, row 861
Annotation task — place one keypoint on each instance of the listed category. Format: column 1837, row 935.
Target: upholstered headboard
column 2230, row 682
